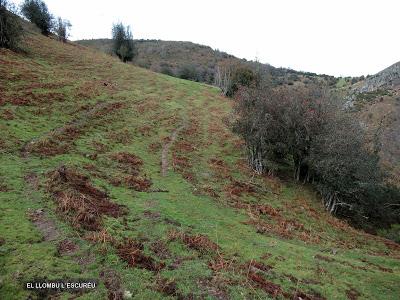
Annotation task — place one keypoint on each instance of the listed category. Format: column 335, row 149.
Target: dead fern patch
column 78, row 201
column 131, row 252
column 197, row 242
column 128, row 161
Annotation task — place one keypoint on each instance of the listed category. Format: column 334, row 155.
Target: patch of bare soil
column 131, row 252
column 78, row 201
column 44, row 224
column 165, row 150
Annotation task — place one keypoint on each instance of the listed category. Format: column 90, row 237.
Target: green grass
column 154, row 106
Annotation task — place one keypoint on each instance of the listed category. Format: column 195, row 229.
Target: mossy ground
column 211, row 192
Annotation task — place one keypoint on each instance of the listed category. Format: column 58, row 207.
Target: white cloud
column 337, row 37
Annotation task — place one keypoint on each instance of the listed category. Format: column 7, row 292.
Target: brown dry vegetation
column 198, row 242
column 132, row 252
column 78, row 201
column 131, row 165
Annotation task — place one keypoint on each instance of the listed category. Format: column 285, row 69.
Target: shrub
column 166, row 69
column 37, row 12
column 229, row 76
column 242, row 76
column 188, row 72
column 323, row 144
column 123, row 45
column 10, row 26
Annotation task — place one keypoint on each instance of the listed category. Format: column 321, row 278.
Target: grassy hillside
column 113, row 172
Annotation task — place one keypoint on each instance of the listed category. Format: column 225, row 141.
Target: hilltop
column 177, row 58
column 113, row 172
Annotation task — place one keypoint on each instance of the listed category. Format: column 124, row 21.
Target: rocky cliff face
column 375, row 85
column 389, row 78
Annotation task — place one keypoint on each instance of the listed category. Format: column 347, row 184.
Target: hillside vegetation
column 113, row 172
column 196, row 62
column 376, row 102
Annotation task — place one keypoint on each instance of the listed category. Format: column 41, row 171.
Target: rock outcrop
column 389, row 78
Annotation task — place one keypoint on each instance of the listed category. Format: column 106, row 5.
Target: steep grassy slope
column 112, row 172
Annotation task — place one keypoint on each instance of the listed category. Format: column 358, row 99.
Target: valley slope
column 116, row 173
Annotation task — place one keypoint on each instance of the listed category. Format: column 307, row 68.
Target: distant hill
column 175, row 57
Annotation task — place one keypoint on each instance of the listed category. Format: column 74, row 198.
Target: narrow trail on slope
column 165, row 150
column 46, row 226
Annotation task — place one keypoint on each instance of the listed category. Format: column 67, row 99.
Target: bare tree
column 62, row 28
column 223, row 77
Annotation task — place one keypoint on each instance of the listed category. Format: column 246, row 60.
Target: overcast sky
column 335, row 37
